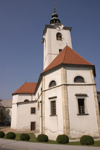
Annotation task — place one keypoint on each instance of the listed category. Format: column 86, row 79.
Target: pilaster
column 65, row 102
column 96, row 101
column 43, row 107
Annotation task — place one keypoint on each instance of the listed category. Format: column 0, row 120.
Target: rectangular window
column 53, row 108
column 81, row 106
column 33, row 110
column 60, row 50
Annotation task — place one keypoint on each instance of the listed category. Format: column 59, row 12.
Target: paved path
column 19, row 145
column 1, row 148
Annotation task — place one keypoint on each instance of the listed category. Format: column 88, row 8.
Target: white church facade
column 64, row 100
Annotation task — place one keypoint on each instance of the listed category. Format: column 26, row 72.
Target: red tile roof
column 26, row 88
column 67, row 56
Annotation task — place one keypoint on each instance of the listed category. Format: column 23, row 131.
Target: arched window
column 52, row 83
column 26, row 100
column 59, row 36
column 78, row 79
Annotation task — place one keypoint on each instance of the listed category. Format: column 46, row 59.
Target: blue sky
column 21, row 27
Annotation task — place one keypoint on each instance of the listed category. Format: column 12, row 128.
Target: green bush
column 62, row 139
column 42, row 138
column 86, row 140
column 2, row 134
column 24, row 137
column 10, row 135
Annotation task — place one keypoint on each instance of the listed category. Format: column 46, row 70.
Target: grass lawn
column 33, row 139
column 96, row 143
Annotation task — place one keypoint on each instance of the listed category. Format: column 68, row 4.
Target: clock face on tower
column 59, row 27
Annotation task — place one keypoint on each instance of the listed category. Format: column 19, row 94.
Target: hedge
column 62, row 139
column 10, row 135
column 2, row 134
column 86, row 140
column 24, row 137
column 42, row 138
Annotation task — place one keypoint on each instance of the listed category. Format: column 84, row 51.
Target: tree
column 3, row 114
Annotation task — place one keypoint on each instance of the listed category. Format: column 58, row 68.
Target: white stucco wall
column 17, row 114
column 22, row 97
column 14, row 112
column 14, row 116
column 72, row 72
column 81, row 124
column 38, row 97
column 52, row 45
column 25, row 117
column 53, row 124
column 55, row 75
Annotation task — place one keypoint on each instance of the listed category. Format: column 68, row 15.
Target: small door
column 32, row 125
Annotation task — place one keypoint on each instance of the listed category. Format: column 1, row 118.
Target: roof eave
column 53, row 27
column 65, row 65
column 21, row 93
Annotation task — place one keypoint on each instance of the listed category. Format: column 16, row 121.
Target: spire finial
column 54, row 8
column 54, row 17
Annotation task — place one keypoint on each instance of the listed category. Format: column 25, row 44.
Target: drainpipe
column 41, row 116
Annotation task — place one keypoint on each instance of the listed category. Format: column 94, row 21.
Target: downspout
column 41, row 108
column 41, row 117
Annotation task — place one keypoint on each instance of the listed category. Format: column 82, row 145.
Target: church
column 64, row 100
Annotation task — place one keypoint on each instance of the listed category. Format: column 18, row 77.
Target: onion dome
column 54, row 18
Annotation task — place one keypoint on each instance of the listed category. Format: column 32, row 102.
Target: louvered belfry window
column 53, row 108
column 59, row 36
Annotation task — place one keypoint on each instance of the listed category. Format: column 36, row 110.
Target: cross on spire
column 54, row 17
column 54, row 8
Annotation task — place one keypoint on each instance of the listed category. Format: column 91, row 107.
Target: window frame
column 58, row 38
column 50, row 86
column 53, row 108
column 81, row 78
column 26, row 100
column 80, row 97
column 34, row 111
column 53, row 99
column 81, row 107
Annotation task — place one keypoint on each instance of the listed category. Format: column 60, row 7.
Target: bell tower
column 55, row 37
